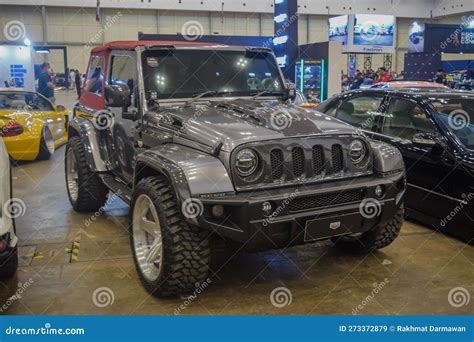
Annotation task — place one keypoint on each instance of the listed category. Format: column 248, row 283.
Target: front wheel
column 171, row 256
column 9, row 265
column 46, row 147
column 379, row 237
column 85, row 189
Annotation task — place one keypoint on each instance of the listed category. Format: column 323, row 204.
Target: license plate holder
column 326, row 227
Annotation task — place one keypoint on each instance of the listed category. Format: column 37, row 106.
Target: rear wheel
column 46, row 149
column 85, row 189
column 171, row 256
column 377, row 238
column 9, row 265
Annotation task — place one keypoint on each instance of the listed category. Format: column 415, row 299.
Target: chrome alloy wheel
column 147, row 239
column 49, row 141
column 72, row 176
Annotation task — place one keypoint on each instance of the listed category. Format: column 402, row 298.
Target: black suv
column 203, row 142
column 434, row 130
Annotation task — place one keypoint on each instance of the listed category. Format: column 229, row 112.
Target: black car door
column 428, row 166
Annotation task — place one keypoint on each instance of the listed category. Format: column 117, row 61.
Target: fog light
column 379, row 191
column 267, row 208
column 217, row 211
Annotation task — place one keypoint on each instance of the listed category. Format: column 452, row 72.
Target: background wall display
column 416, row 37
column 366, row 33
column 450, row 38
column 285, row 42
column 421, row 66
column 339, row 29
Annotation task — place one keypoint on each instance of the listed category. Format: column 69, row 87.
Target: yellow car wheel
column 46, row 149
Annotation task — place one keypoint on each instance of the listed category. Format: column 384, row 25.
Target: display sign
column 450, row 38
column 285, row 41
column 416, row 37
column 308, row 75
column 339, row 29
column 366, row 33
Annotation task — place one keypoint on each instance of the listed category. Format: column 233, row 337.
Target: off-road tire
column 186, row 249
column 9, row 266
column 377, row 238
column 92, row 193
column 44, row 153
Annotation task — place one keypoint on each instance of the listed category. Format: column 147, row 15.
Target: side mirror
column 424, row 139
column 118, row 95
column 60, row 108
column 428, row 140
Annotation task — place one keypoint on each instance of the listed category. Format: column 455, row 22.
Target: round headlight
column 246, row 162
column 357, row 151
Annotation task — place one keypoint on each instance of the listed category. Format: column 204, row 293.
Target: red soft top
column 130, row 45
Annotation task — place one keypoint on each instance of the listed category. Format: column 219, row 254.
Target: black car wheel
column 9, row 265
column 85, row 189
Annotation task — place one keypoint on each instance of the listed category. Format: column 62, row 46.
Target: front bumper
column 305, row 213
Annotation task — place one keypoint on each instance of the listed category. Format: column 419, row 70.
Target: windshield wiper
column 267, row 92
column 200, row 95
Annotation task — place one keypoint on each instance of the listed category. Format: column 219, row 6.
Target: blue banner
column 243, row 328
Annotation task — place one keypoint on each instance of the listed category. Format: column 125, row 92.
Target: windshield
column 187, row 73
column 23, row 101
column 457, row 114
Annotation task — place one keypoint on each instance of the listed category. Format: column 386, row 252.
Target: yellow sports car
column 31, row 126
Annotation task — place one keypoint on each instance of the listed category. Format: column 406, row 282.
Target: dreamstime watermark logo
column 459, row 37
column 458, row 119
column 280, row 208
column 14, row 30
column 370, row 31
column 102, row 209
column 281, row 119
column 14, row 208
column 102, row 297
column 22, row 287
column 376, row 289
column 109, row 22
column 370, row 208
column 459, row 297
column 200, row 287
column 103, row 119
column 192, row 30
column 281, row 297
column 466, row 199
column 192, row 208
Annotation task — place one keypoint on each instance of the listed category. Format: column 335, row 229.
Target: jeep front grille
column 276, row 160
column 294, row 161
column 298, row 161
column 337, row 158
column 325, row 200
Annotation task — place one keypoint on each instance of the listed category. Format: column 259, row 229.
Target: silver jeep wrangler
column 202, row 141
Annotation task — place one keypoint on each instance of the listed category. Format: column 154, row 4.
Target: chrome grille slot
column 324, row 200
column 318, row 159
column 337, row 158
column 276, row 162
column 298, row 159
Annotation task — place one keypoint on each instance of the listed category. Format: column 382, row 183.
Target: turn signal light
column 11, row 129
column 3, row 246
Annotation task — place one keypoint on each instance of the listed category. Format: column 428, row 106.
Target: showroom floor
column 66, row 257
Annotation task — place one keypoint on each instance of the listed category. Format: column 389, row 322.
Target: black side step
column 117, row 187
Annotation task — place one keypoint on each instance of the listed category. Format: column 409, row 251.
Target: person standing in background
column 72, row 77
column 45, row 82
column 77, row 82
